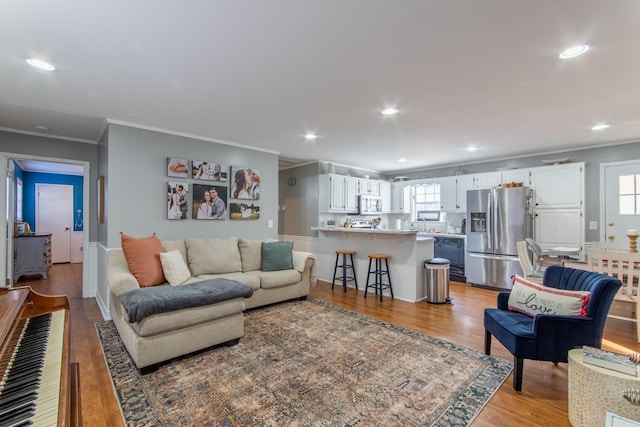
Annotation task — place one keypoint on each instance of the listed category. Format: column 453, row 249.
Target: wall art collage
column 215, row 191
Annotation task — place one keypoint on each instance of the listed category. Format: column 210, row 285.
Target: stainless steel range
column 361, row 224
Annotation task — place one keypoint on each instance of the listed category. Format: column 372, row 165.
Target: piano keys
column 38, row 386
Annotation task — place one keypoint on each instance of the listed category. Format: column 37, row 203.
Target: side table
column 594, row 391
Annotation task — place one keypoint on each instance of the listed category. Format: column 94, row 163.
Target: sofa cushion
column 182, row 319
column 251, row 253
column 531, row 298
column 250, row 279
column 276, row 256
column 277, row 279
column 213, row 256
column 175, row 245
column 174, row 267
column 143, row 258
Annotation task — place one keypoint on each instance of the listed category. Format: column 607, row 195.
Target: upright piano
column 39, row 385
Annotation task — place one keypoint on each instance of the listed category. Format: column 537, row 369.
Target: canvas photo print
column 245, row 184
column 209, row 202
column 177, row 200
column 209, row 171
column 177, row 168
column 244, row 211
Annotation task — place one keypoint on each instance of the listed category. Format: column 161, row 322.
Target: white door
column 54, row 214
column 620, row 202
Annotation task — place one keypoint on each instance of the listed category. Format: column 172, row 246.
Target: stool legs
column 378, row 275
column 335, row 268
column 366, row 288
column 345, row 266
column 353, row 270
column 386, row 261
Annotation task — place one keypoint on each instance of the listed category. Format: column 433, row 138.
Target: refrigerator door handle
column 488, row 222
column 499, row 257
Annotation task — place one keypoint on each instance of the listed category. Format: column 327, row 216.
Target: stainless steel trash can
column 436, row 272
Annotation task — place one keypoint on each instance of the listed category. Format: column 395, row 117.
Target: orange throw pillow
column 143, row 258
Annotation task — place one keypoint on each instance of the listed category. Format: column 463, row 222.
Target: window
column 426, row 198
column 629, row 196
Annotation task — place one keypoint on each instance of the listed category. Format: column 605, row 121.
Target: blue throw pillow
column 276, row 256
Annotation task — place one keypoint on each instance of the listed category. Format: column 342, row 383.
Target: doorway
column 54, row 214
column 81, row 245
column 620, row 201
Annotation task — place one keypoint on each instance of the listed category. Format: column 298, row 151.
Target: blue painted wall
column 29, row 181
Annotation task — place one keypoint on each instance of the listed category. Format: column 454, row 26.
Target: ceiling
column 463, row 73
column 50, row 167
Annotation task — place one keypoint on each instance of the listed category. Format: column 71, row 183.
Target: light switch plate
column 270, row 223
column 593, row 225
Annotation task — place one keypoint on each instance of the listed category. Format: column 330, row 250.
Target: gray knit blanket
column 143, row 302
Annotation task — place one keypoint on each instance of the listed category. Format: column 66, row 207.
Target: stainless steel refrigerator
column 497, row 219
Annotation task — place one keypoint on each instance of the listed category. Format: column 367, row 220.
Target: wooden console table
column 594, row 391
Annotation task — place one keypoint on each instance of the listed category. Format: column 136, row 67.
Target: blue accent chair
column 550, row 337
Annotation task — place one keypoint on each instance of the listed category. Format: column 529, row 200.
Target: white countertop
column 452, row 235
column 366, row 230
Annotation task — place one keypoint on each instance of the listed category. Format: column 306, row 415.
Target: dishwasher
column 451, row 248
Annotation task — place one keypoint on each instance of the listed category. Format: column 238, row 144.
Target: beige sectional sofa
column 163, row 336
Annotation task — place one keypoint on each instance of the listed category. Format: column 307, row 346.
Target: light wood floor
column 542, row 402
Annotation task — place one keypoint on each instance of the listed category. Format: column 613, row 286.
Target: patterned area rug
column 308, row 363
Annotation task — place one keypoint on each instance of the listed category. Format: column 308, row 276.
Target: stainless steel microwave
column 369, row 205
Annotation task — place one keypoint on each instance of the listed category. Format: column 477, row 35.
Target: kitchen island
column 408, row 253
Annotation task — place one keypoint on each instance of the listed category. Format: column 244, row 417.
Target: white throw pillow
column 531, row 299
column 174, row 267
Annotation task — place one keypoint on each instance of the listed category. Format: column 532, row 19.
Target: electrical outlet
column 593, row 225
column 270, row 223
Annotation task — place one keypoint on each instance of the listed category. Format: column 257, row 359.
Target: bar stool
column 344, row 266
column 379, row 274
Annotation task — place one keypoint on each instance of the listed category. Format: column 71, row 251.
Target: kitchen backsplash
column 389, row 221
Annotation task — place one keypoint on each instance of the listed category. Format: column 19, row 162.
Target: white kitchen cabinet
column 448, row 196
column 398, row 198
column 486, row 180
column 369, row 187
column 385, row 194
column 351, row 194
column 517, row 175
column 463, row 184
column 453, row 192
column 558, row 186
column 338, row 193
column 559, row 227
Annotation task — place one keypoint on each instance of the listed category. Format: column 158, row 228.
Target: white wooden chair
column 526, row 263
column 626, row 267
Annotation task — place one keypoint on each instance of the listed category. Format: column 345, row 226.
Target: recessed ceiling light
column 601, row 126
column 402, row 160
column 42, row 65
column 574, row 51
column 310, row 136
column 472, row 149
column 390, row 111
